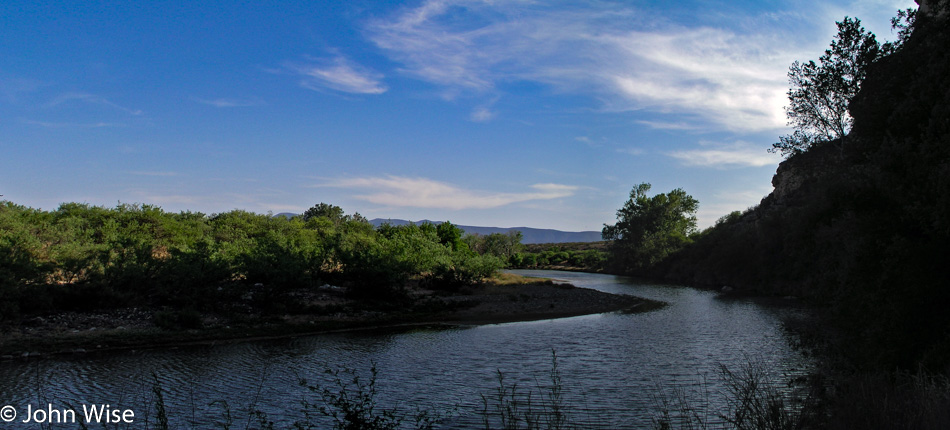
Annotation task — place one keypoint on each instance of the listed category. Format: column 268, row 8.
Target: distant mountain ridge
column 529, row 235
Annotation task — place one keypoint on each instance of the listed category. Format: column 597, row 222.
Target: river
column 613, row 367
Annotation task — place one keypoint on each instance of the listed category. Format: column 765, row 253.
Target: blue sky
column 501, row 113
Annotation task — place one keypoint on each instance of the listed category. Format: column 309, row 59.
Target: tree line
column 81, row 257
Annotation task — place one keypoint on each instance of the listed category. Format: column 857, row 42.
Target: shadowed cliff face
column 935, row 8
column 864, row 230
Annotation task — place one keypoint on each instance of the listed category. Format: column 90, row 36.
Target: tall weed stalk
column 754, row 400
column 510, row 408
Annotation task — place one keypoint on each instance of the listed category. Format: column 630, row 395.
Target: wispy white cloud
column 431, row 51
column 228, row 103
column 738, row 154
column 711, row 73
column 340, row 74
column 91, row 99
column 397, row 191
column 482, row 114
column 664, row 125
column 631, row 151
column 586, row 140
column 732, row 80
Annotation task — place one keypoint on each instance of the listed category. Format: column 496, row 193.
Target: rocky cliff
column 863, row 230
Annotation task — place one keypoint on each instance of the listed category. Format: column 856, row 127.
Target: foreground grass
column 752, row 398
column 350, row 399
column 507, row 279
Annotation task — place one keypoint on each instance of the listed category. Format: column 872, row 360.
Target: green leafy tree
column 324, row 210
column 465, row 268
column 449, row 234
column 650, row 228
column 820, row 93
column 502, row 245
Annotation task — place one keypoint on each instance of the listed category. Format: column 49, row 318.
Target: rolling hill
column 529, row 235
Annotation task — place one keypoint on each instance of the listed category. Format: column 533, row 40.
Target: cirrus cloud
column 229, row 103
column 402, row 191
column 91, row 99
column 610, row 51
column 737, row 154
column 340, row 74
column 730, row 74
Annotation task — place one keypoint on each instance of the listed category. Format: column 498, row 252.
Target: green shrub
column 461, row 270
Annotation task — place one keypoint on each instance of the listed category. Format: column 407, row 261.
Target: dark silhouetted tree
column 820, row 93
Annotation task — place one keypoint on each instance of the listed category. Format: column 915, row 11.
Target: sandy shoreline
column 132, row 328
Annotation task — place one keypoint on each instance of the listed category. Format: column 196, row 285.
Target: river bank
column 505, row 298
column 611, row 364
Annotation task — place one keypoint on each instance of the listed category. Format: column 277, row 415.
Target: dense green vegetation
column 508, row 248
column 556, row 256
column 500, row 245
column 81, row 257
column 649, row 229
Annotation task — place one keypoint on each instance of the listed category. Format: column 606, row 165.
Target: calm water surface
column 612, row 365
